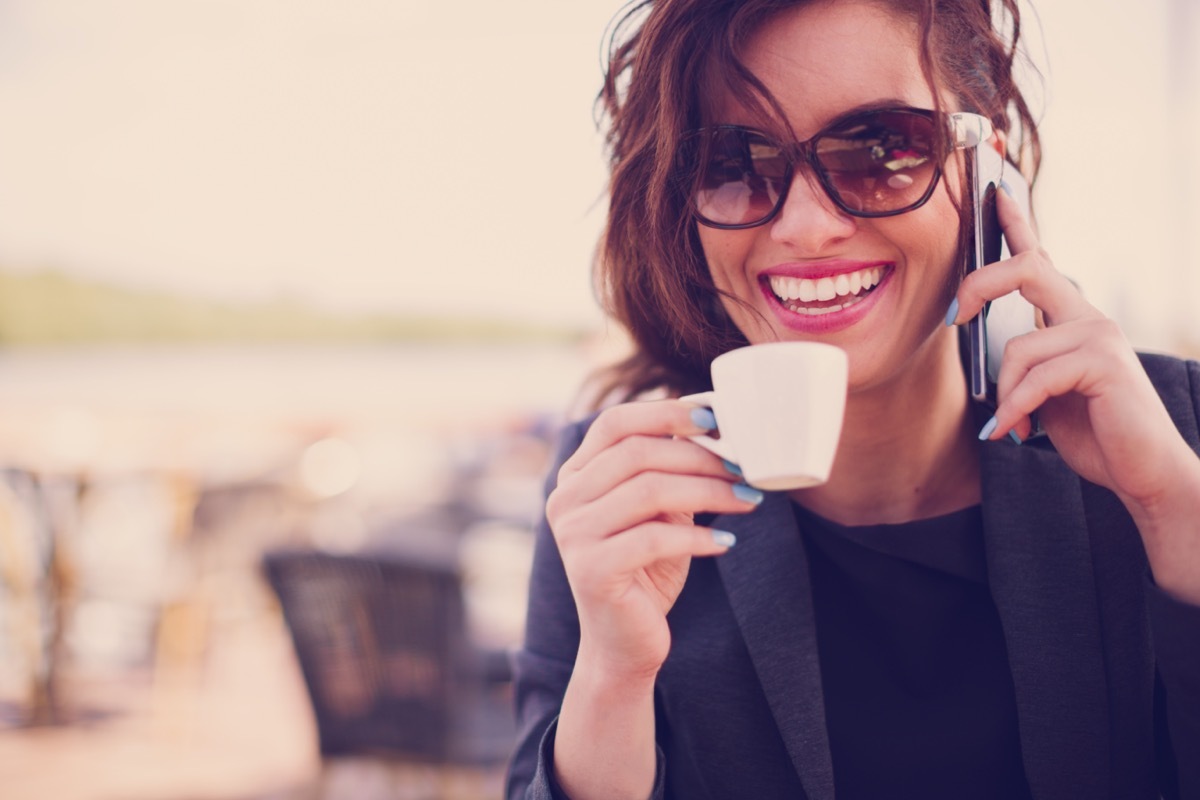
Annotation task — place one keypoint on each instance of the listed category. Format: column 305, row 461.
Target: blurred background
column 293, row 297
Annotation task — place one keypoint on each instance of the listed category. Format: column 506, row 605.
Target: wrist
column 605, row 744
column 1169, row 523
column 601, row 673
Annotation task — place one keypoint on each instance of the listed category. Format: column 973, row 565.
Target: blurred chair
column 26, row 604
column 39, row 584
column 382, row 645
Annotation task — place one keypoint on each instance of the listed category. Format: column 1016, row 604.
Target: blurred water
column 230, row 412
column 419, row 383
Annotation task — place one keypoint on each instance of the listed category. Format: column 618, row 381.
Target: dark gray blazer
column 1106, row 668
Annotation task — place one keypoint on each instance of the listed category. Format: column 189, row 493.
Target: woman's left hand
column 1093, row 399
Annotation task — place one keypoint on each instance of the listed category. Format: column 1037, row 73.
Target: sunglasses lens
column 879, row 163
column 742, row 176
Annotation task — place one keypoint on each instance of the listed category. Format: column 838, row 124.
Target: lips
column 825, row 297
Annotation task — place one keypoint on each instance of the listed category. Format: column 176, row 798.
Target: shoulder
column 573, row 431
column 1177, row 381
column 570, row 436
column 1166, row 369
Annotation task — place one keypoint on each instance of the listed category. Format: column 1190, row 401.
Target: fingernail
column 1013, row 435
column 952, row 312
column 732, row 468
column 1008, row 190
column 988, row 429
column 724, row 538
column 747, row 493
column 703, row 418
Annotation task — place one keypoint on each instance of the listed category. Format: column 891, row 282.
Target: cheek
column 724, row 252
column 946, row 251
column 941, row 239
column 949, row 216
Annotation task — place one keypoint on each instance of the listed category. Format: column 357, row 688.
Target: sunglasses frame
column 965, row 130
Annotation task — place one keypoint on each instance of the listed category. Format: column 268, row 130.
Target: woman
column 954, row 613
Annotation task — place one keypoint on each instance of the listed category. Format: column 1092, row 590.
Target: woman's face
column 820, row 61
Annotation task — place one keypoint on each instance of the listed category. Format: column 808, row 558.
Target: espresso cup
column 779, row 410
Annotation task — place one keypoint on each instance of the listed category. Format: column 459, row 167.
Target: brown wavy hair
column 650, row 271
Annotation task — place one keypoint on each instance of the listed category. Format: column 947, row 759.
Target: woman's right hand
column 622, row 517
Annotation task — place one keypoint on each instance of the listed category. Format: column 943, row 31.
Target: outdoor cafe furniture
column 390, row 671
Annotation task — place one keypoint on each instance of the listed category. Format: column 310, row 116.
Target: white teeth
column 816, row 312
column 807, row 290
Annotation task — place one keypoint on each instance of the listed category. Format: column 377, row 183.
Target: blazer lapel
column 1040, row 570
column 766, row 579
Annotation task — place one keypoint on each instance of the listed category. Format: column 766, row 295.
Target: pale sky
column 443, row 156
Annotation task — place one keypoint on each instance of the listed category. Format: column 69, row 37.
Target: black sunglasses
column 876, row 163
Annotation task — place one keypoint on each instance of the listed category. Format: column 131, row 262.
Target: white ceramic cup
column 779, row 409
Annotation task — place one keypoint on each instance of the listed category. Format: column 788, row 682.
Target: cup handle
column 719, row 446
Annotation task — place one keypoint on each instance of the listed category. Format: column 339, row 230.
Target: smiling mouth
column 813, row 297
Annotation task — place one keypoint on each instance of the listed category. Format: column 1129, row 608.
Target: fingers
column 647, row 418
column 1053, row 362
column 640, row 453
column 630, row 439
column 643, row 545
column 1055, row 377
column 629, row 471
column 1018, row 231
column 648, row 495
column 1033, row 275
column 1029, row 271
column 1074, row 348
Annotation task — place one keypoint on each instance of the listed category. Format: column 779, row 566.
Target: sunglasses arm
column 969, row 130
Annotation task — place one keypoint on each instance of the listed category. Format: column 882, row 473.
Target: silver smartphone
column 1004, row 317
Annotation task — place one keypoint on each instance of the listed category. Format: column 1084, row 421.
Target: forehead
column 822, row 59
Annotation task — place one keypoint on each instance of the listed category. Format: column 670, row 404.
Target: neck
column 908, row 449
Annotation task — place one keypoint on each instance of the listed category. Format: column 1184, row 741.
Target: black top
column 918, row 691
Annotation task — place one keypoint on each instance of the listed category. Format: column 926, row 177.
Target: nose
column 809, row 222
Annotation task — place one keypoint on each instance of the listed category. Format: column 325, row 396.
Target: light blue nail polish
column 988, row 429
column 1008, row 190
column 703, row 418
column 1013, row 435
column 952, row 312
column 724, row 538
column 747, row 493
column 732, row 468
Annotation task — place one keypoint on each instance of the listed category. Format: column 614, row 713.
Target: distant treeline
column 53, row 308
